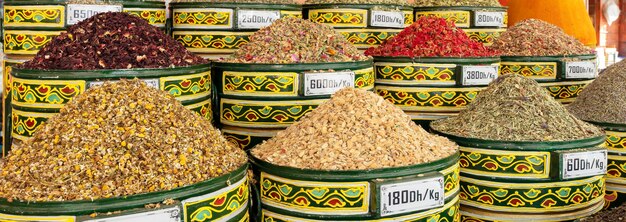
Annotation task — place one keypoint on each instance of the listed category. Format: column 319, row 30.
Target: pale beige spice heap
column 354, row 130
column 115, row 140
column 515, row 108
column 430, row 3
column 534, row 37
column 604, row 100
column 371, row 2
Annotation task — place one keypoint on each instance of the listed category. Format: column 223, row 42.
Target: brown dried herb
column 430, row 3
column 112, row 40
column 354, row 130
column 115, row 140
column 294, row 40
column 604, row 100
column 534, row 37
column 515, row 108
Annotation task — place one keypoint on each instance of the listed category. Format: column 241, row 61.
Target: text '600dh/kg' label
column 256, row 19
column 79, row 12
column 327, row 83
column 411, row 196
column 584, row 164
column 387, row 19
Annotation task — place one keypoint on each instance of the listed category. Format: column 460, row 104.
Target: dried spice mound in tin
column 604, row 100
column 430, row 3
column 294, row 40
column 354, row 130
column 534, row 37
column 431, row 37
column 115, row 140
column 112, row 40
column 515, row 108
column 371, row 2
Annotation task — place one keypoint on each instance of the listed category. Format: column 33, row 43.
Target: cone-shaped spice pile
column 115, row 140
column 355, row 130
column 112, row 40
column 515, row 108
column 604, row 100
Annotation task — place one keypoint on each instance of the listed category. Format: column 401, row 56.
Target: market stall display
column 432, row 69
column 602, row 103
column 284, row 72
column 543, row 52
column 364, row 23
column 217, row 28
column 482, row 20
column 352, row 149
column 108, row 46
column 525, row 157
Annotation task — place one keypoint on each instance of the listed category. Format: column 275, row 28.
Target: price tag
column 478, row 75
column 256, row 19
column 327, row 83
column 79, row 12
column 411, row 196
column 154, row 83
column 162, row 215
column 583, row 164
column 581, row 70
column 387, row 19
column 489, row 19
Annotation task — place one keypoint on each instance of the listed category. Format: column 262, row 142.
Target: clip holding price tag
column 398, row 196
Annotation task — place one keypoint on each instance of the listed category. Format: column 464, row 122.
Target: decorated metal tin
column 551, row 68
column 247, row 138
column 7, row 66
column 471, row 214
column 291, row 194
column 225, row 198
column 364, row 38
column 429, row 99
column 615, row 195
column 468, row 17
column 487, row 36
column 565, row 91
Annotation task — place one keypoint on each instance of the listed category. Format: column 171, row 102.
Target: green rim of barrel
column 207, row 4
column 524, row 145
column 354, row 6
column 352, row 175
column 610, row 126
column 107, row 73
column 84, row 207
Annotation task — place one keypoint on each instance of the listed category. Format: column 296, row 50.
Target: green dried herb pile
column 430, row 3
column 515, row 108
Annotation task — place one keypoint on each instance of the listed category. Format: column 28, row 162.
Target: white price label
column 489, row 19
column 150, row 82
column 387, row 19
column 162, row 215
column 411, row 196
column 478, row 75
column 584, row 164
column 79, row 12
column 327, row 83
column 256, row 19
column 581, row 70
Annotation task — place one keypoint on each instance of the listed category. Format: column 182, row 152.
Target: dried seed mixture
column 534, row 37
column 355, row 130
column 112, row 40
column 282, row 2
column 115, row 140
column 515, row 108
column 429, row 3
column 604, row 99
column 381, row 2
column 294, row 40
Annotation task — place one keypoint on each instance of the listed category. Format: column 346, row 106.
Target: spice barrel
column 216, row 30
column 483, row 24
column 257, row 100
column 36, row 95
column 292, row 194
column 433, row 88
column 364, row 26
column 225, row 198
column 616, row 174
column 520, row 181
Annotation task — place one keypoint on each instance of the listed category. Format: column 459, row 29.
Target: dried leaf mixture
column 112, row 40
column 534, row 37
column 430, row 3
column 115, row 140
column 604, row 100
column 515, row 108
column 294, row 40
column 355, row 130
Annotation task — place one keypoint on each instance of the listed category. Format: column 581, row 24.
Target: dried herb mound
column 355, row 130
column 112, row 40
column 294, row 40
column 372, row 2
column 115, row 140
column 534, row 37
column 430, row 3
column 431, row 37
column 604, row 99
column 514, row 108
